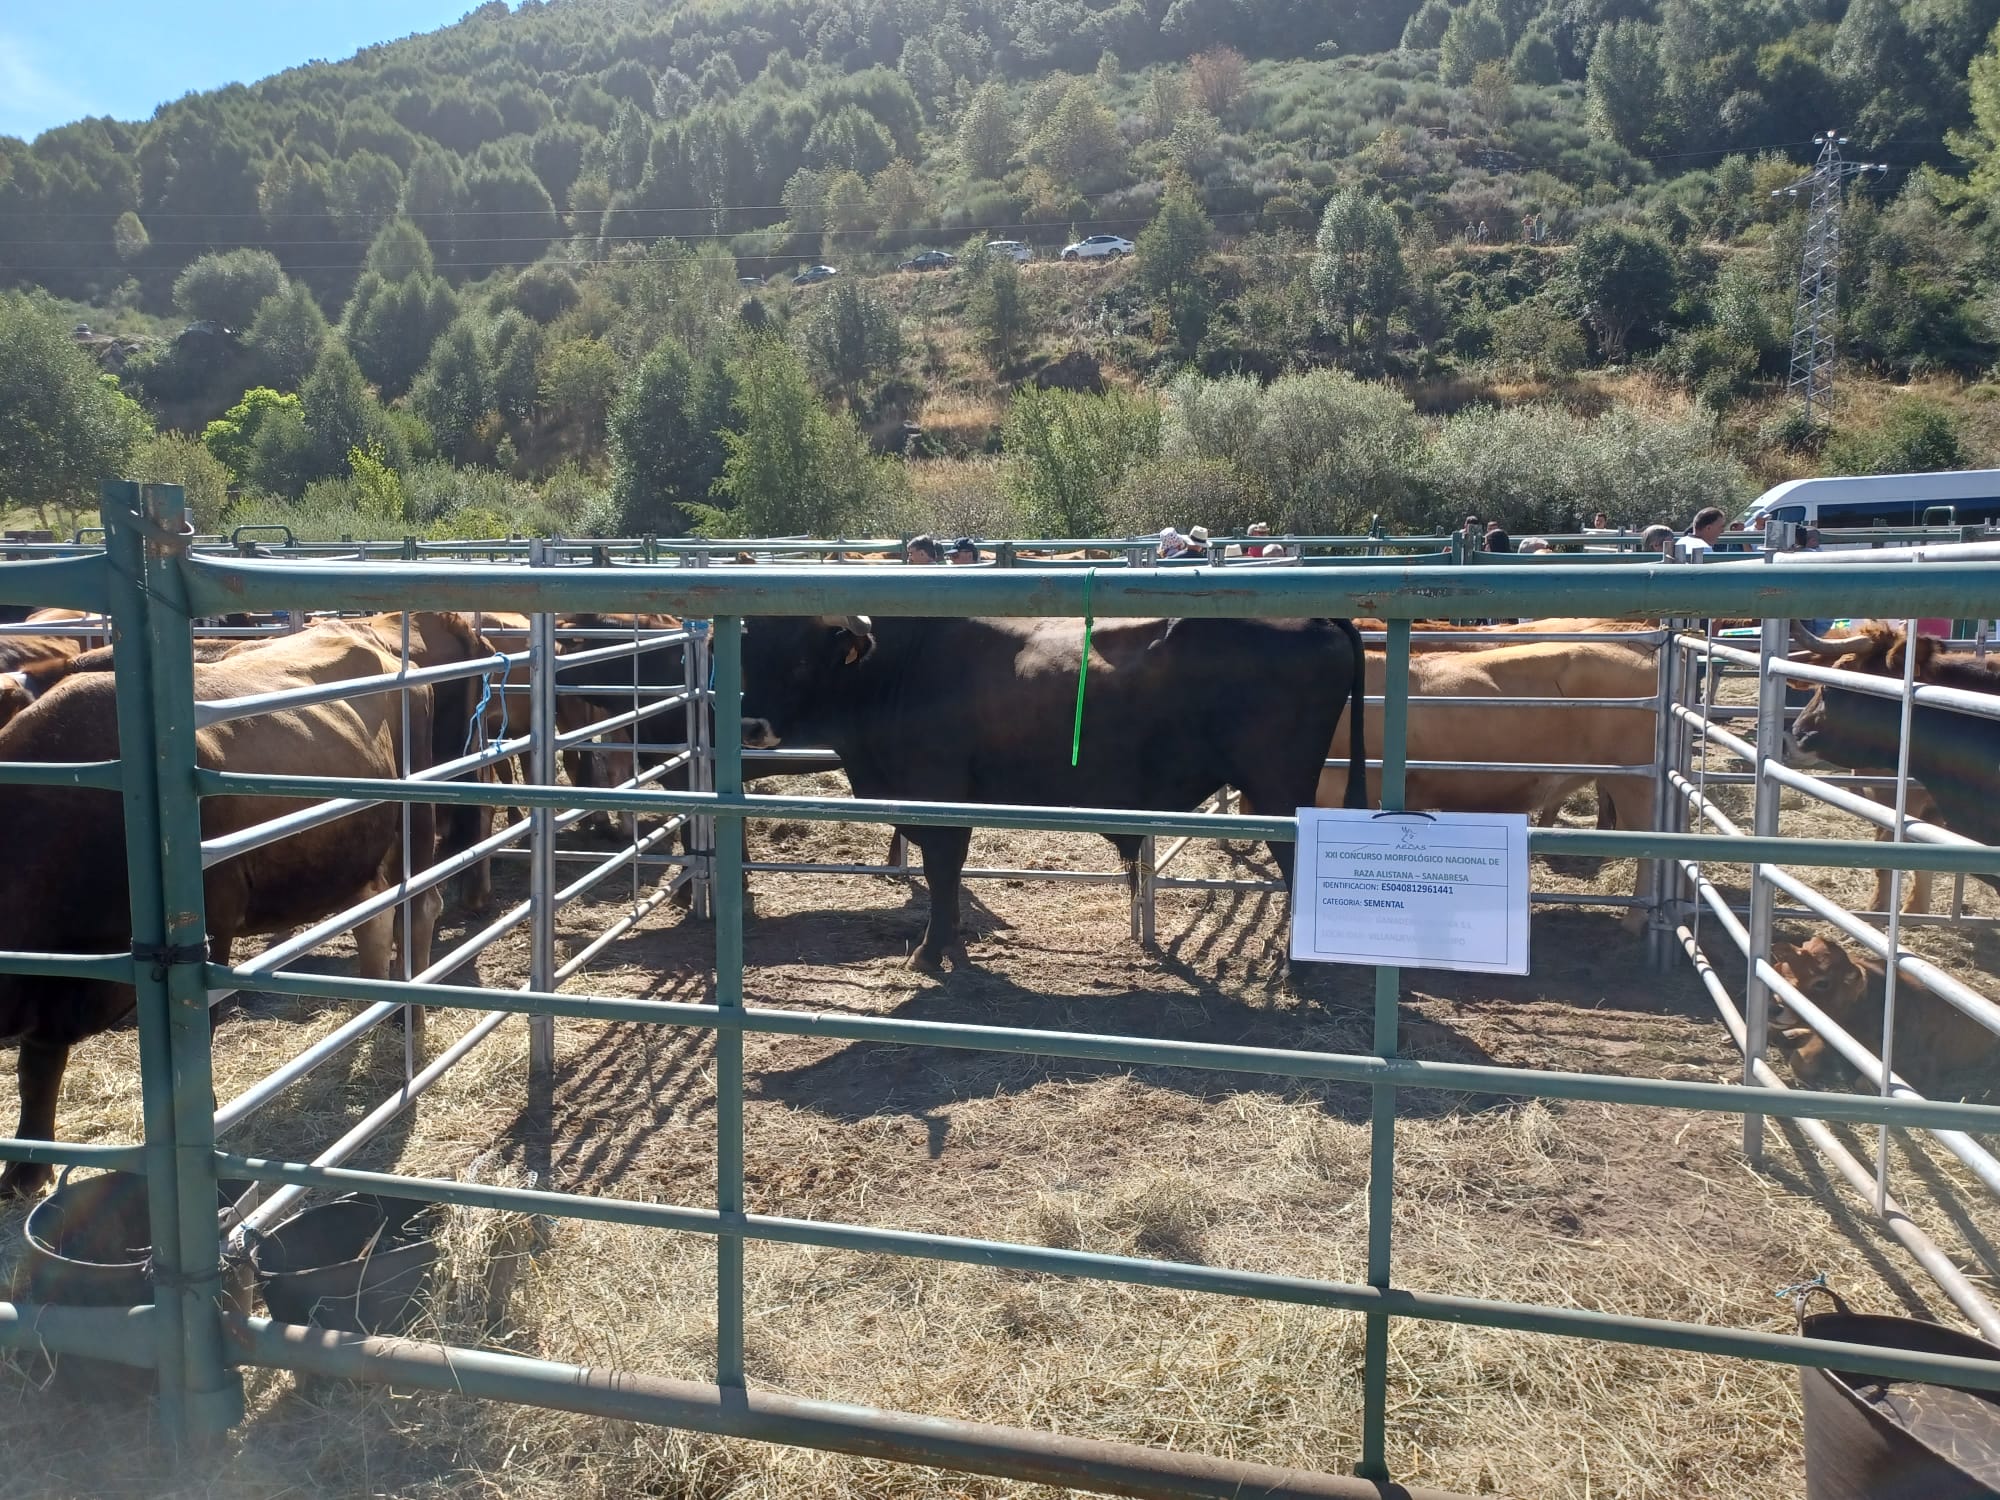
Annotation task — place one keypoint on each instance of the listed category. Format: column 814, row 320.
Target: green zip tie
column 1083, row 668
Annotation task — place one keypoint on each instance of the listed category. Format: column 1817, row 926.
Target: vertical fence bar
column 125, row 551
column 541, row 830
column 1144, row 886
column 1659, row 925
column 729, row 996
column 1895, row 932
column 1770, row 751
column 213, row 1391
column 1382, row 1133
column 412, row 1014
column 701, row 767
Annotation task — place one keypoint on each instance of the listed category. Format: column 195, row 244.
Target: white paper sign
column 1412, row 890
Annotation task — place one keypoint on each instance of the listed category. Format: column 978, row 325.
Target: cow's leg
column 40, row 1071
column 1917, row 888
column 373, row 941
column 944, row 851
column 1627, row 802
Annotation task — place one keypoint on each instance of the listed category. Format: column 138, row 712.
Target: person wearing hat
column 1261, row 549
column 1198, row 540
column 1532, row 545
column 964, row 552
column 1172, row 543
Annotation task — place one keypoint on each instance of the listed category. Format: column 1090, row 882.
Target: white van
column 1956, row 497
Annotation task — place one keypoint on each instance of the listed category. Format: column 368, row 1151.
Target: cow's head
column 795, row 670
column 1826, row 974
column 1840, row 727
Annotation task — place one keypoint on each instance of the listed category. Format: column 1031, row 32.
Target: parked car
column 1012, row 249
column 81, row 331
column 930, row 260
column 812, row 274
column 1097, row 247
column 749, row 281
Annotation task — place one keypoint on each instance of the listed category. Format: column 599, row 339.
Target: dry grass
column 1574, row 1204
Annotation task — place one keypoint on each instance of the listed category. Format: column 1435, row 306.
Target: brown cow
column 63, row 886
column 1539, row 669
column 1934, row 1038
column 19, row 650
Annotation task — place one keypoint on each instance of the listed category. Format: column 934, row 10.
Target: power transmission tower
column 1818, row 300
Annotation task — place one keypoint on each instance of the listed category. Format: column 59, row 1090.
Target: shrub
column 1918, row 436
column 64, row 426
column 1068, row 451
column 1537, row 338
column 1541, row 468
column 545, row 292
column 175, row 458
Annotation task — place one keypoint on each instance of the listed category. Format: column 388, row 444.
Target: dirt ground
column 1640, row 1211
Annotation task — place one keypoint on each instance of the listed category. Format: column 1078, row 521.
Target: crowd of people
column 1701, row 535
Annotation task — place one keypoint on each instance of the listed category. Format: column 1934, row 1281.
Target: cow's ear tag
column 853, row 652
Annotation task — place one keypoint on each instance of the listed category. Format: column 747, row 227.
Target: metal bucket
column 358, row 1264
column 1872, row 1438
column 89, row 1244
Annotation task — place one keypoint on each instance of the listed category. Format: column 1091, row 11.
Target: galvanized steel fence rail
column 152, row 587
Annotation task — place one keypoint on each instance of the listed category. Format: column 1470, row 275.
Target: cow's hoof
column 923, row 961
column 25, row 1180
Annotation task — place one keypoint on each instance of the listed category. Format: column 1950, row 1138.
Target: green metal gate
column 153, row 587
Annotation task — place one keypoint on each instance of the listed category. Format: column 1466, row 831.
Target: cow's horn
column 1824, row 645
column 859, row 625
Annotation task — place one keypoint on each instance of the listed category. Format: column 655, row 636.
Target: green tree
column 1979, row 146
column 852, row 338
column 793, row 467
column 1067, row 452
column 1622, row 279
column 64, row 428
column 663, row 462
column 1358, row 269
column 986, row 132
column 1534, row 59
column 338, row 412
column 580, row 380
column 896, row 197
column 1426, row 26
column 1474, row 36
column 286, row 337
column 998, row 307
column 1079, row 144
column 398, row 252
column 455, row 391
column 391, row 325
column 232, row 436
column 229, row 287
column 1625, row 89
column 1172, row 251
column 849, row 214
column 129, row 237
column 176, row 458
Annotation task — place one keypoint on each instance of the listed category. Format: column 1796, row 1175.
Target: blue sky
column 63, row 59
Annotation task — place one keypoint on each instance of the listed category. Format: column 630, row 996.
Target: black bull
column 983, row 711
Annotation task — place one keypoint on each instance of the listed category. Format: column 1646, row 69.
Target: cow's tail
column 1357, row 737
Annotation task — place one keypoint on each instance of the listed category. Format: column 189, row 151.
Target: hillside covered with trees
column 1531, row 257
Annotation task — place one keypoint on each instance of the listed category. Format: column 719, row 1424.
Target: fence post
column 1770, row 749
column 1382, row 1122
column 1658, row 883
column 729, row 893
column 212, row 1390
column 701, row 759
column 541, row 827
column 1144, row 872
column 125, row 549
